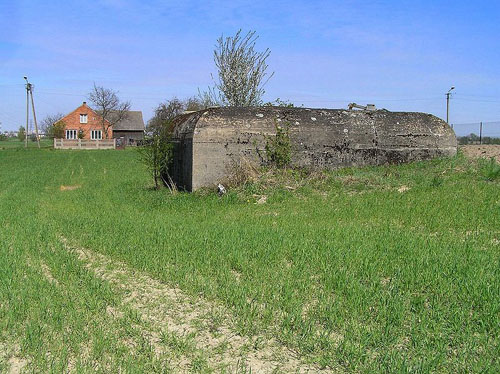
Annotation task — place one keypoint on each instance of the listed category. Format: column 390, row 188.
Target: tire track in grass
column 11, row 361
column 129, row 333
column 170, row 317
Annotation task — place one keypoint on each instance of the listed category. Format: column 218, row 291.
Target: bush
column 21, row 134
column 436, row 181
column 240, row 173
column 279, row 147
column 156, row 153
column 56, row 130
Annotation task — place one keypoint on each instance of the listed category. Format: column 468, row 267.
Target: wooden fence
column 84, row 144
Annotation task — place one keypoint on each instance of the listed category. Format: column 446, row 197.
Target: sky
column 397, row 54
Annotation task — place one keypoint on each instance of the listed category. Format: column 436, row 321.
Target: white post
column 79, row 143
column 55, row 143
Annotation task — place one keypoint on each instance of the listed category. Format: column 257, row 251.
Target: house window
column 96, row 135
column 71, row 134
column 83, row 118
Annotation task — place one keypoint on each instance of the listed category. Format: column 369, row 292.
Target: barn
column 130, row 129
column 207, row 143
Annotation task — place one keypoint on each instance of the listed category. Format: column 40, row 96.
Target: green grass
column 491, row 170
column 346, row 270
column 16, row 143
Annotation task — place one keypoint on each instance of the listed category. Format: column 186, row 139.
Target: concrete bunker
column 208, row 142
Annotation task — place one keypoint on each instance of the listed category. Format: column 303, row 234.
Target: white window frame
column 96, row 135
column 71, row 134
column 83, row 118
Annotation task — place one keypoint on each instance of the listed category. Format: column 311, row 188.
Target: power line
column 462, row 97
column 50, row 92
column 10, row 84
column 468, row 95
column 475, row 123
column 478, row 101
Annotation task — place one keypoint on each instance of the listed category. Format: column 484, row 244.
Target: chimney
column 84, row 103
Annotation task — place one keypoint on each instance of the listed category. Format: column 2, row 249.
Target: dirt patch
column 262, row 200
column 403, row 189
column 48, row 274
column 70, row 188
column 9, row 355
column 167, row 310
column 482, row 151
column 16, row 365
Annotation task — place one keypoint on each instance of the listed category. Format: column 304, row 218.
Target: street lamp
column 27, row 112
column 448, row 103
column 29, row 91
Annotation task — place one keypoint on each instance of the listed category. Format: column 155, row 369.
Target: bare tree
column 168, row 110
column 52, row 126
column 109, row 106
column 195, row 103
column 164, row 113
column 241, row 71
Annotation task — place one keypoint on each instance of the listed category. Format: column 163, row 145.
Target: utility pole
column 448, row 104
column 29, row 91
column 480, row 133
column 27, row 115
column 34, row 118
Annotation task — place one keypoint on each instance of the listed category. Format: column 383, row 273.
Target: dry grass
column 70, row 188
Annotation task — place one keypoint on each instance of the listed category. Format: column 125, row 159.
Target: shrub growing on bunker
column 278, row 147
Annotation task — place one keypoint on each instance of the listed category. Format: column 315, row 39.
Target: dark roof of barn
column 133, row 122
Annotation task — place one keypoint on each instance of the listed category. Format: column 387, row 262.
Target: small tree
column 21, row 134
column 156, row 154
column 52, row 125
column 57, row 130
column 167, row 111
column 241, row 72
column 109, row 106
column 195, row 103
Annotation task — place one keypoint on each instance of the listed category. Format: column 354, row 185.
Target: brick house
column 85, row 123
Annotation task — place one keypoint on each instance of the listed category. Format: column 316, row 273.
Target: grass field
column 374, row 270
column 15, row 143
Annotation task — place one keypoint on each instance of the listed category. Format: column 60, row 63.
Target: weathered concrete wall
column 207, row 143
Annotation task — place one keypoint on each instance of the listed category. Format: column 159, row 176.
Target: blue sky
column 400, row 55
